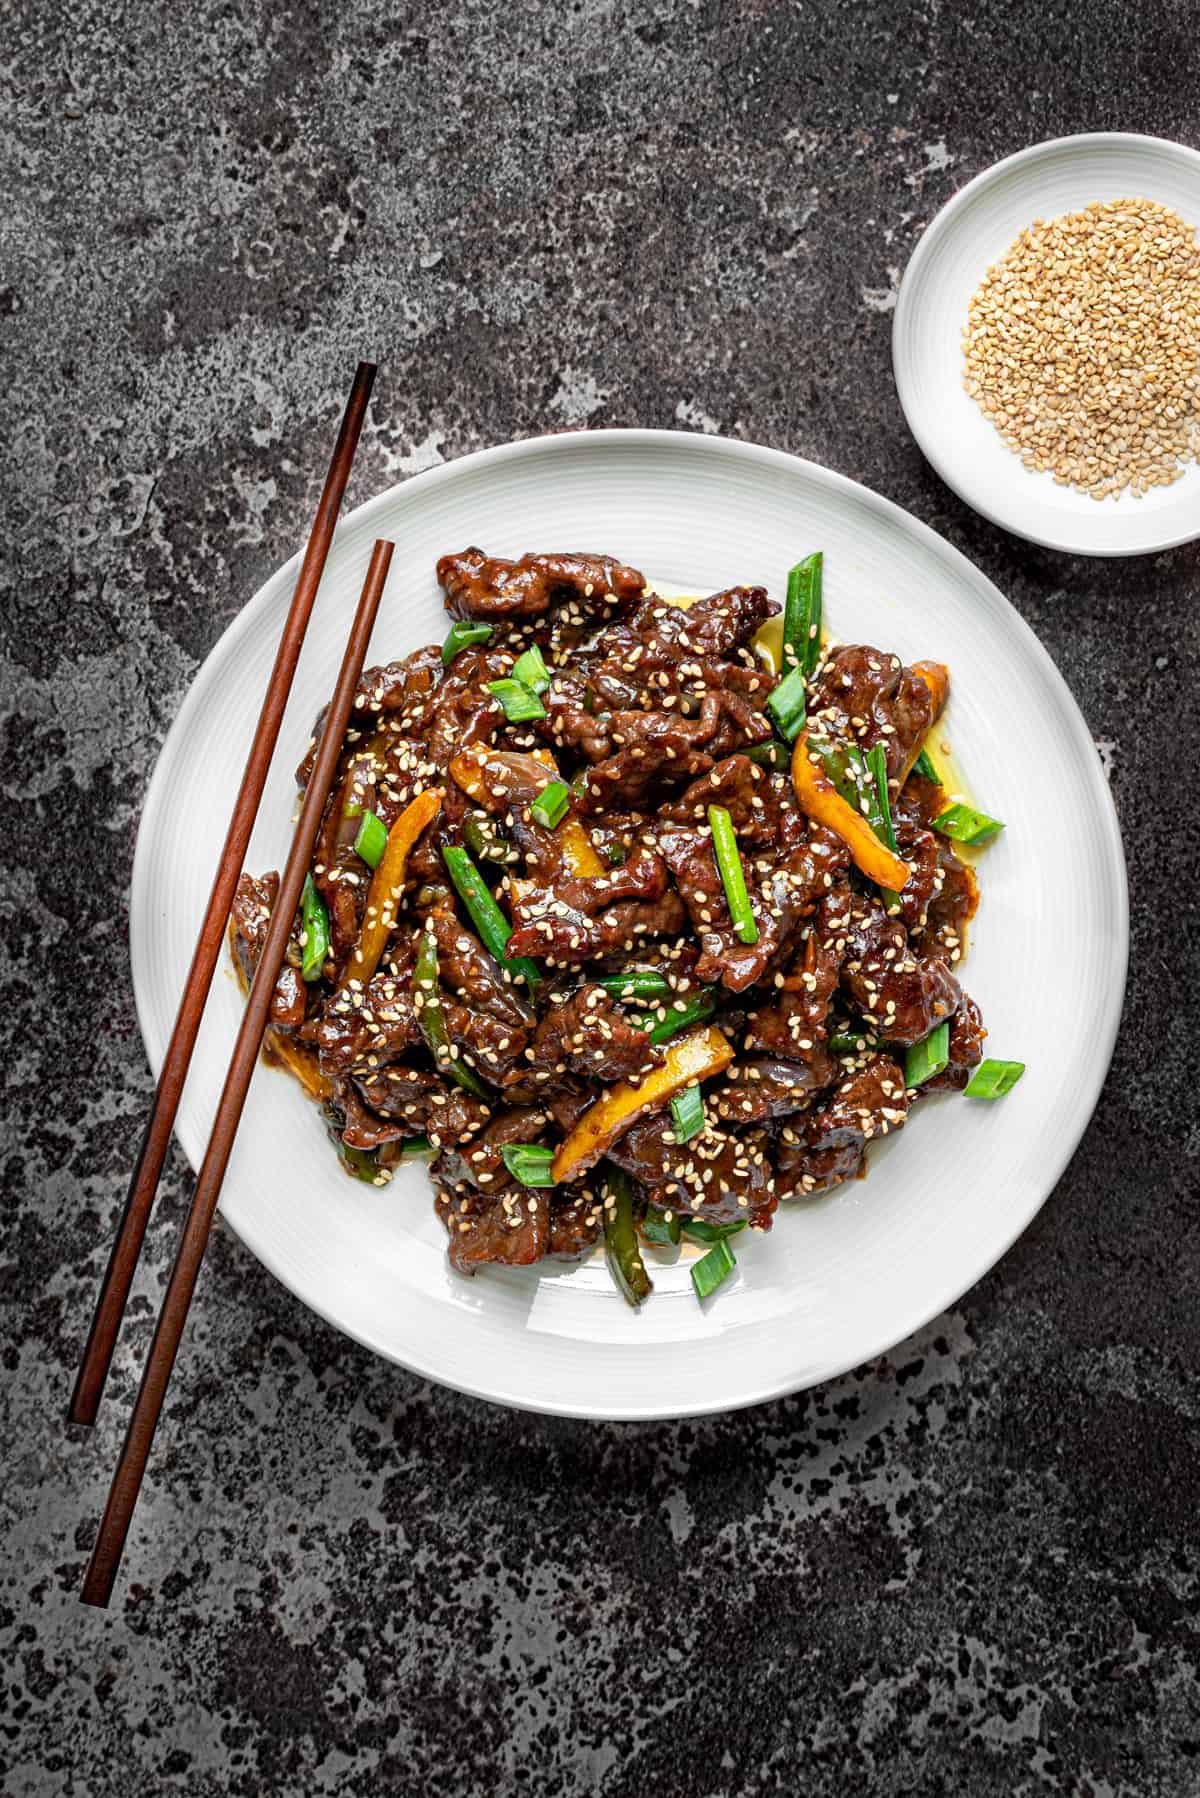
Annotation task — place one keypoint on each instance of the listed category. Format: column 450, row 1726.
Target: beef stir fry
column 628, row 931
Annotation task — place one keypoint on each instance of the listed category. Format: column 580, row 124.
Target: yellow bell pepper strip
column 821, row 801
column 280, row 1048
column 696, row 1057
column 387, row 886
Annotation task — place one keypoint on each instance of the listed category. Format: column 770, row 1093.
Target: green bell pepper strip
column 431, row 1017
column 802, row 614
column 621, row 1248
column 314, row 924
column 733, row 876
column 491, row 923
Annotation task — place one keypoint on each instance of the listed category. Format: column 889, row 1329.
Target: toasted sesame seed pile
column 1083, row 347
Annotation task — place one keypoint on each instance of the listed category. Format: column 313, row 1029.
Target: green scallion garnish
column 661, row 1227
column 550, row 806
column 491, row 923
column 788, row 704
column 371, row 840
column 531, row 670
column 645, row 984
column 802, row 614
column 928, row 1057
column 682, row 1015
column 881, row 814
column 769, row 755
column 712, row 1269
column 965, row 825
column 528, row 1162
column 622, row 1250
column 314, row 925
column 733, row 878
column 687, row 1114
column 520, row 703
column 925, row 768
column 461, row 636
column 992, row 1079
column 698, row 1229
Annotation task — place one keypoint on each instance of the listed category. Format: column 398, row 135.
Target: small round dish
column 970, row 232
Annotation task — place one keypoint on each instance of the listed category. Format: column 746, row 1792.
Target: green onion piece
column 314, row 924
column 788, row 704
column 769, row 755
column 486, row 845
column 491, row 923
column 614, row 854
column 371, row 840
column 431, row 1019
column 461, row 636
column 733, row 878
column 992, row 1079
column 881, row 815
column 532, row 671
column 661, row 1227
column 802, row 614
column 687, row 1113
column 698, row 1229
column 528, row 1162
column 636, row 983
column 621, row 1248
column 925, row 768
column 928, row 1057
column 550, row 806
column 520, row 705
column 416, row 1148
column 362, row 1163
column 352, row 808
column 694, row 1011
column 712, row 1269
column 843, row 1043
column 966, row 825
column 843, row 766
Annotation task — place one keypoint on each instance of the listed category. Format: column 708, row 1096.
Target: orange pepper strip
column 387, row 886
column 936, row 677
column 300, row 1062
column 697, row 1056
column 821, row 801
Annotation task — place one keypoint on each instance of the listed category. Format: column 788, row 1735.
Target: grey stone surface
column 971, row 1569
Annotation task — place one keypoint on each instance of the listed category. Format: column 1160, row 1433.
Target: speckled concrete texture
column 970, row 1570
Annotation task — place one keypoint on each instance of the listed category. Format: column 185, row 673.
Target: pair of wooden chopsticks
column 126, row 1483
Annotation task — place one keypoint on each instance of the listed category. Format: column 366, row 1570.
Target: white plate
column 970, row 232
column 835, row 1283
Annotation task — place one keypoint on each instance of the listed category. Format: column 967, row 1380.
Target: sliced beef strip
column 576, row 921
column 827, row 1146
column 359, row 1031
column 721, row 1175
column 903, row 997
column 793, row 1024
column 761, row 805
column 491, row 589
column 402, row 687
column 758, row 1088
column 410, row 1102
column 253, row 903
column 713, row 626
column 591, row 1035
column 653, row 750
column 482, row 1164
column 576, row 1221
column 864, row 696
column 468, row 971
column 509, row 1228
column 966, row 1049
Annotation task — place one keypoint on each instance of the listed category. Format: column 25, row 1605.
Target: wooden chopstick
column 114, row 1290
column 127, row 1480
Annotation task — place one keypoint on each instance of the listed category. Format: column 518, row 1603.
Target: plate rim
column 942, row 220
column 686, row 442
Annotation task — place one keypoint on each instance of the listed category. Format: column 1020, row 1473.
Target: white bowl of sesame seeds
column 1047, row 344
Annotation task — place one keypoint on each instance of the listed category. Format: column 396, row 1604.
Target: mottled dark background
column 969, row 1570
